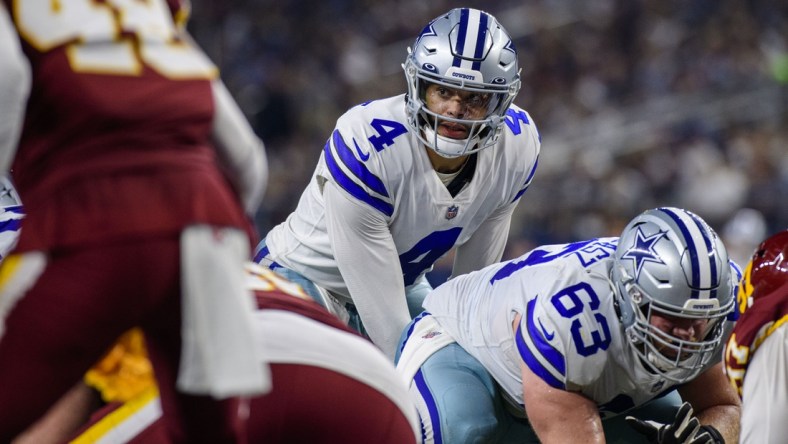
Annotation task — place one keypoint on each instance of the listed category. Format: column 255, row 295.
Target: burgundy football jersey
column 767, row 314
column 117, row 134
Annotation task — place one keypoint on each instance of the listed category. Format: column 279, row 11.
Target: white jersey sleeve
column 564, row 337
column 487, row 244
column 15, row 80
column 569, row 333
column 11, row 215
column 239, row 149
column 765, row 391
column 383, row 173
column 368, row 261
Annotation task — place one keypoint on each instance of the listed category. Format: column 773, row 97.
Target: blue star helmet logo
column 642, row 250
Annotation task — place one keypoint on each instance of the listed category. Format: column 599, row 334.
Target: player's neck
column 445, row 164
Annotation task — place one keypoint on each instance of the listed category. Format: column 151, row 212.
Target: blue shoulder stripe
column 10, row 225
column 362, row 173
column 16, row 209
column 358, row 168
column 553, row 356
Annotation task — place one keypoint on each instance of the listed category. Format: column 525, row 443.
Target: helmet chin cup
column 446, row 146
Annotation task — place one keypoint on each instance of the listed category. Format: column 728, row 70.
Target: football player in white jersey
column 11, row 215
column 403, row 180
column 756, row 356
column 567, row 336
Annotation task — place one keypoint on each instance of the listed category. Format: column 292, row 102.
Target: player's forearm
column 487, row 244
column 724, row 418
column 585, row 427
column 64, row 418
column 367, row 258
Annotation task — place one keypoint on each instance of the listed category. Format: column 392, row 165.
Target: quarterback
column 403, row 180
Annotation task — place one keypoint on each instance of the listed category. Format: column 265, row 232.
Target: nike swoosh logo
column 364, row 156
column 548, row 336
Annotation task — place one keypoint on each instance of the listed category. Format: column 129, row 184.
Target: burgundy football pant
column 84, row 299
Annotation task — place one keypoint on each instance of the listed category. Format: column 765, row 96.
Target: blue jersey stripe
column 461, row 35
column 480, row 39
column 527, row 181
column 16, row 209
column 519, row 194
column 432, row 406
column 10, row 225
column 553, row 356
column 261, row 254
column 534, row 364
column 411, row 327
column 357, row 167
column 352, row 188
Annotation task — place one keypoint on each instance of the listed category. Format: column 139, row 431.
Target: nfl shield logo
column 452, row 212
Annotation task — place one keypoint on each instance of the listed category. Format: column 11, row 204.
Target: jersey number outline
column 426, row 251
column 569, row 303
column 387, row 130
column 116, row 37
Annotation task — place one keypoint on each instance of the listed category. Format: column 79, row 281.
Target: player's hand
column 685, row 429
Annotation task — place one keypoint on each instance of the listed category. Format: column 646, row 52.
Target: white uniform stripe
column 471, row 38
column 290, row 338
column 697, row 243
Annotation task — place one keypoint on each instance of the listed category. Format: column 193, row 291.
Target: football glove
column 685, row 429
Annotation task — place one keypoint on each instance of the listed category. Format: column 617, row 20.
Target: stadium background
column 639, row 103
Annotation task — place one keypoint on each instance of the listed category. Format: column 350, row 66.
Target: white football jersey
column 569, row 333
column 11, row 215
column 375, row 160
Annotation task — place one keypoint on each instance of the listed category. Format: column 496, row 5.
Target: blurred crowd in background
column 640, row 103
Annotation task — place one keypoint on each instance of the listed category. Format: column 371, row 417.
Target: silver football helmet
column 669, row 262
column 465, row 49
column 8, row 195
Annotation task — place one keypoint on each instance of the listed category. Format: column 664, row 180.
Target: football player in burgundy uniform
column 124, row 141
column 756, row 355
column 316, row 388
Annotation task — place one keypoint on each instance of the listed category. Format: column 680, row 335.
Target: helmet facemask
column 676, row 359
column 489, row 69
